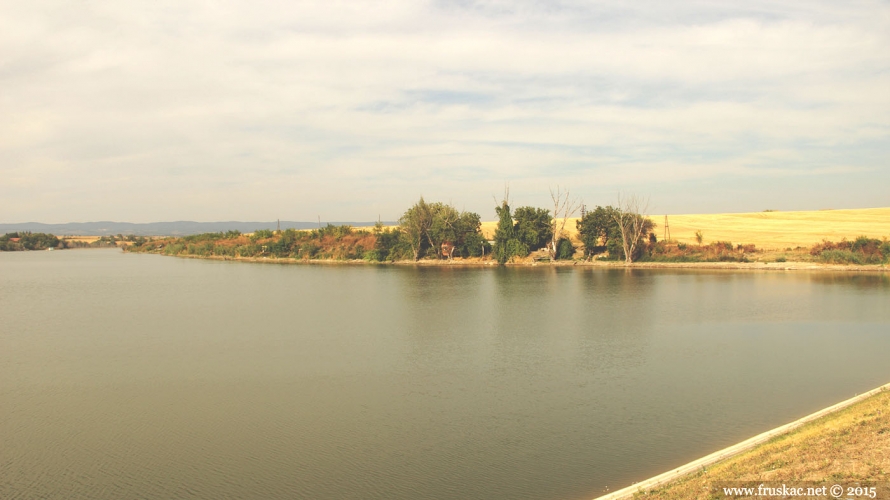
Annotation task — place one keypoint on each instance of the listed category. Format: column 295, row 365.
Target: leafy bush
column 615, row 249
column 336, row 232
column 261, row 234
column 719, row 251
column 515, row 248
column 564, row 249
column 862, row 250
column 174, row 249
column 840, row 257
column 390, row 245
column 818, row 248
column 596, row 228
column 204, row 249
column 195, row 238
column 224, row 250
column 372, row 255
column 250, row 250
column 309, row 249
column 474, row 246
column 532, row 227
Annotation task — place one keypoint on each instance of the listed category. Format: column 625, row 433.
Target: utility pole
column 667, row 229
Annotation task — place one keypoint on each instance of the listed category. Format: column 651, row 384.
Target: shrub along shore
column 346, row 251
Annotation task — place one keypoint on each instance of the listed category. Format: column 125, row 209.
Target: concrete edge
column 733, row 450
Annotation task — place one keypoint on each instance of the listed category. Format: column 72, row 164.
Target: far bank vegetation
column 26, row 240
column 439, row 232
column 426, row 231
column 11, row 242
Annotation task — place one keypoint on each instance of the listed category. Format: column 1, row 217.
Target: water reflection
column 242, row 380
column 865, row 281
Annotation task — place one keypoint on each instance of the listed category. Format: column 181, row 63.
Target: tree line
column 435, row 230
column 11, row 242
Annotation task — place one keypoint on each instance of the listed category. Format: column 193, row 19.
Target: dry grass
column 848, row 446
column 777, row 230
column 83, row 239
column 768, row 230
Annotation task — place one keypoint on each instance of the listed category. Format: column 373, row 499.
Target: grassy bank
column 845, row 447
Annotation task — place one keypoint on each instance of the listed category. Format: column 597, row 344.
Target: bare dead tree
column 631, row 218
column 506, row 199
column 562, row 207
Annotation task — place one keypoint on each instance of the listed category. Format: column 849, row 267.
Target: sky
column 350, row 111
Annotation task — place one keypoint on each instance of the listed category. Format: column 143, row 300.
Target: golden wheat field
column 83, row 239
column 767, row 230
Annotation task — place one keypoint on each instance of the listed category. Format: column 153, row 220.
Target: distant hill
column 177, row 228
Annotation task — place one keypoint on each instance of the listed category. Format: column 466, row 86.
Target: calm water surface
column 140, row 376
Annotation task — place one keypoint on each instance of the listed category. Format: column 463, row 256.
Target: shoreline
column 726, row 266
column 664, row 479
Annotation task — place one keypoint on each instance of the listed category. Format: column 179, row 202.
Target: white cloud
column 257, row 110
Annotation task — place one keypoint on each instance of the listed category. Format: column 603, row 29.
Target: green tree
column 443, row 226
column 428, row 226
column 564, row 249
column 287, row 242
column 414, row 225
column 468, row 230
column 534, row 226
column 506, row 245
column 503, row 232
column 390, row 245
column 597, row 227
column 38, row 241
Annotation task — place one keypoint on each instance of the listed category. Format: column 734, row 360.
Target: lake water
column 141, row 376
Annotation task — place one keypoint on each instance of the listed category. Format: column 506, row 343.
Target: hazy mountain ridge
column 174, row 228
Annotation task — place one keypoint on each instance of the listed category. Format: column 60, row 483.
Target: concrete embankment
column 725, row 454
